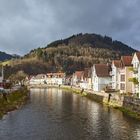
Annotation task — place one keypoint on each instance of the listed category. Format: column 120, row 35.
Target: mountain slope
column 74, row 53
column 94, row 41
column 4, row 56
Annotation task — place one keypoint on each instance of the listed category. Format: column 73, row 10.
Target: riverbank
column 128, row 105
column 14, row 100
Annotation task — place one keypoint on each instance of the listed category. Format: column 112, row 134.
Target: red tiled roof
column 86, row 72
column 102, row 70
column 59, row 74
column 117, row 63
column 126, row 60
column 138, row 55
column 79, row 74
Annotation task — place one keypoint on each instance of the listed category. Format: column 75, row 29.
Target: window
column 122, row 86
column 123, row 78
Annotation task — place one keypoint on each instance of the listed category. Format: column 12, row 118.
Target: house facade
column 55, row 78
column 86, row 83
column 77, row 78
column 115, row 73
column 136, row 72
column 125, row 74
column 39, row 79
column 139, row 80
column 101, row 76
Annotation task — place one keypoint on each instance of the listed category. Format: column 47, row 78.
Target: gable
column 135, row 59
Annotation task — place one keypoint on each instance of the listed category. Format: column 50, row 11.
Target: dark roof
column 138, row 55
column 126, row 60
column 103, row 70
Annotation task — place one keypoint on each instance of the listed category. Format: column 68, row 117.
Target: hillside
column 4, row 56
column 74, row 53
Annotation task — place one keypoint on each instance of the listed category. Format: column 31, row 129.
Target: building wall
column 101, row 82
column 135, row 62
column 127, row 85
column 129, row 74
column 122, row 84
column 139, row 79
column 95, row 84
column 89, row 83
column 115, row 77
column 36, row 81
column 55, row 81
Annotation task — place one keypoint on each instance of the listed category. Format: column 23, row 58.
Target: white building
column 1, row 77
column 82, row 79
column 136, row 71
column 139, row 79
column 77, row 78
column 101, row 76
column 55, row 78
column 39, row 79
column 115, row 74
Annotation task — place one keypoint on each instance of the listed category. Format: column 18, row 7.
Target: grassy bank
column 76, row 91
column 14, row 101
column 129, row 113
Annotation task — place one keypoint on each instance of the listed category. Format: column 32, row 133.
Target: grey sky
column 28, row 24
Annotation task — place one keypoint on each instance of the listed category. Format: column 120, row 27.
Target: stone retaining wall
column 132, row 104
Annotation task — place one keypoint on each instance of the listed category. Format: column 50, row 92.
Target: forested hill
column 94, row 41
column 4, row 56
column 74, row 53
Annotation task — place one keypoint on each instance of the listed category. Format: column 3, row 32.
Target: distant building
column 39, row 79
column 86, row 83
column 55, row 78
column 77, row 78
column 68, row 80
column 1, row 77
column 101, row 76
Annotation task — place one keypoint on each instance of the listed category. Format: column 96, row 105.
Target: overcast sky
column 28, row 24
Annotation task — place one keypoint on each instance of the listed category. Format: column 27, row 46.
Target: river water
column 55, row 114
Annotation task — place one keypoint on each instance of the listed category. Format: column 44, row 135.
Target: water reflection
column 55, row 114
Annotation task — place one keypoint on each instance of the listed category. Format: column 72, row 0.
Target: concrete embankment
column 13, row 100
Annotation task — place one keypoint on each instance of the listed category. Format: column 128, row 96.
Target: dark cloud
column 28, row 24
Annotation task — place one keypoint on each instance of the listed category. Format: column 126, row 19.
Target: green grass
column 15, row 100
column 129, row 112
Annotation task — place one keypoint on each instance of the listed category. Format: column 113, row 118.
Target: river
column 55, row 114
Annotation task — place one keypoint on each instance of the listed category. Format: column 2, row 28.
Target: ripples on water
column 54, row 114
